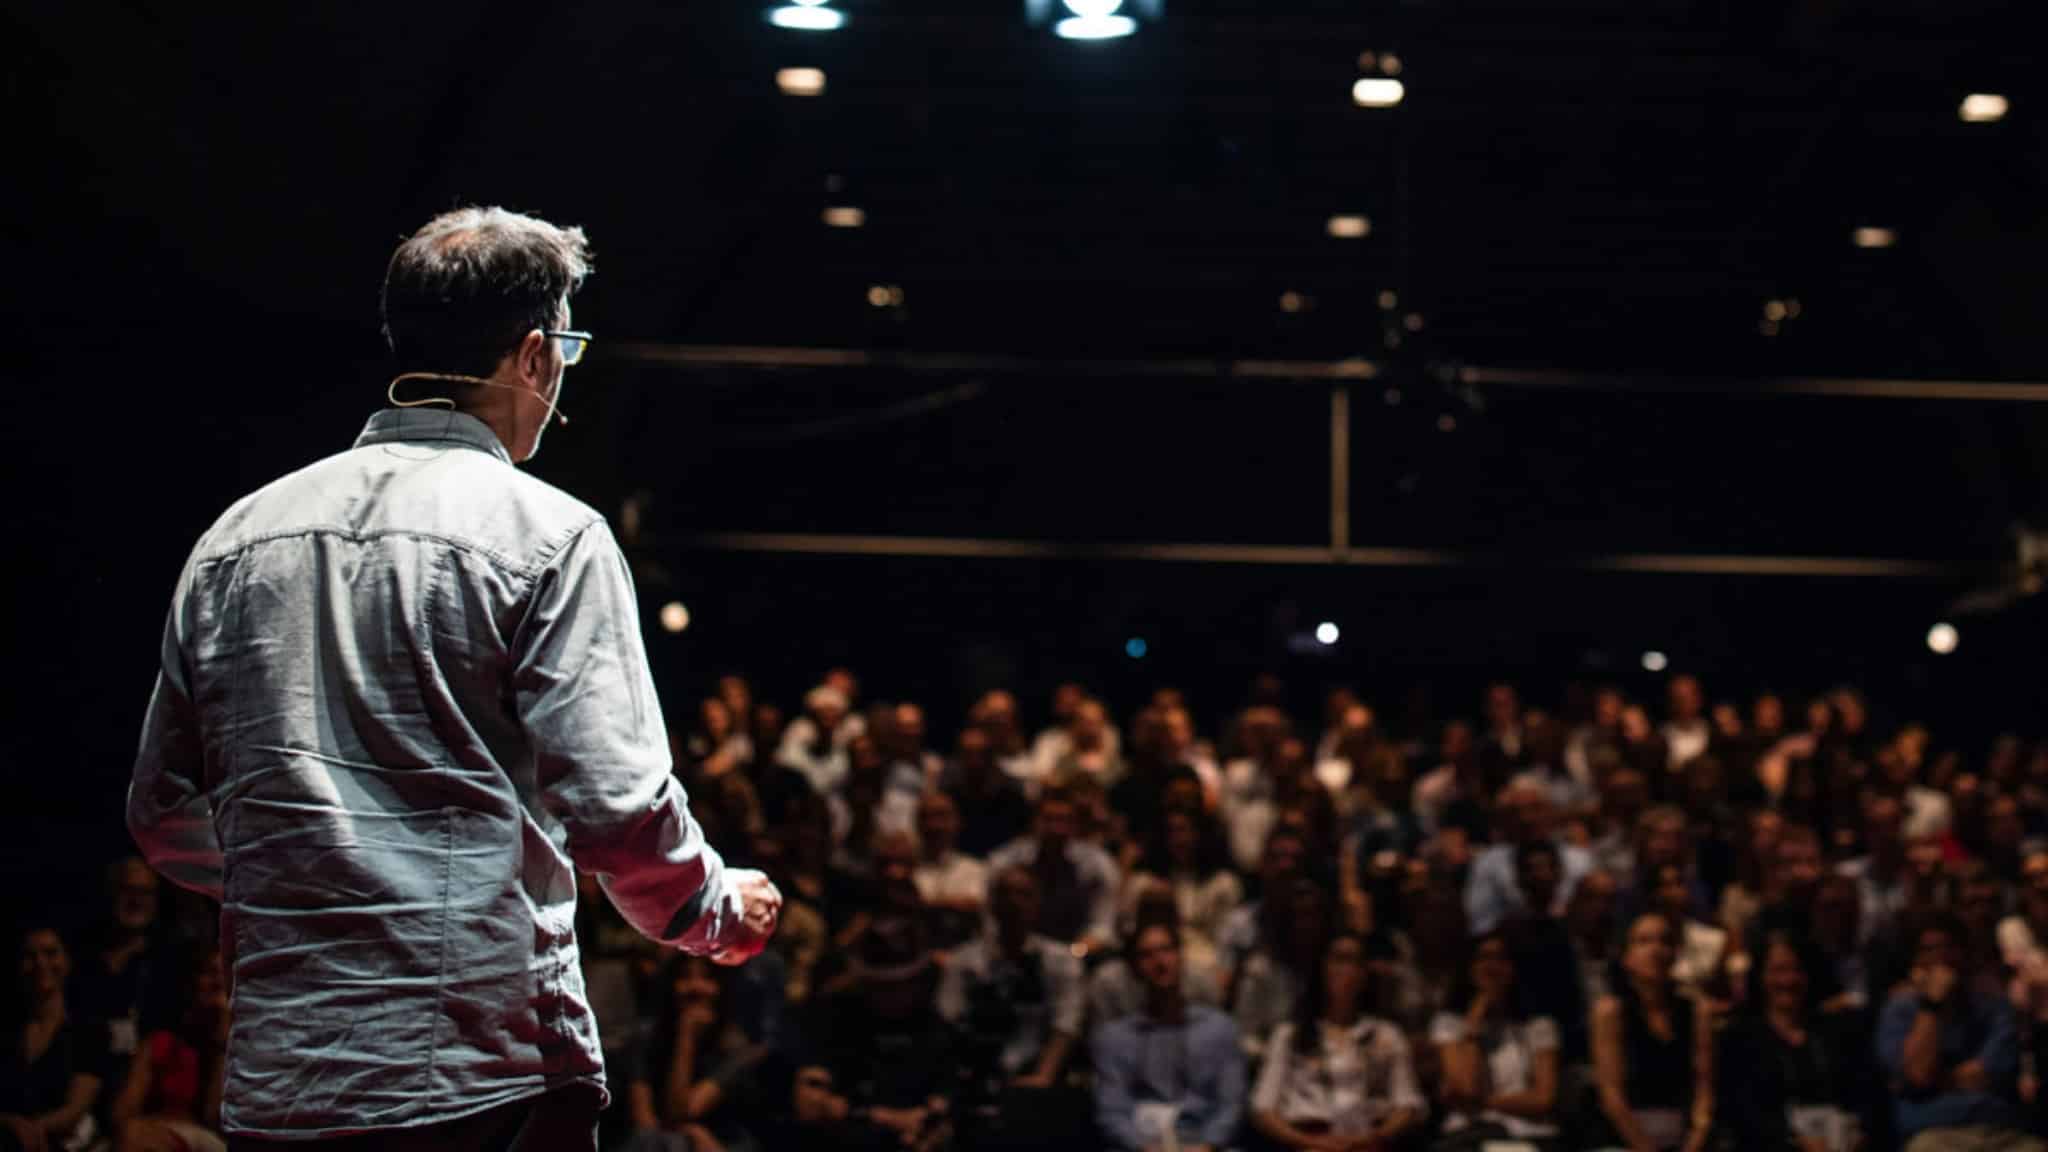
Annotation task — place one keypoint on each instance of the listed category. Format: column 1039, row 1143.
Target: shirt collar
column 431, row 425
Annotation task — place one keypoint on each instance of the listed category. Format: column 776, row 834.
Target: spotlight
column 1377, row 92
column 1655, row 661
column 1943, row 638
column 1135, row 647
column 845, row 216
column 1348, row 227
column 1095, row 20
column 1292, row 301
column 801, row 81
column 807, row 16
column 674, row 617
column 1326, row 633
column 1982, row 108
column 1874, row 237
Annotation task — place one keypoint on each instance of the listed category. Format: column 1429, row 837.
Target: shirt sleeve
column 1115, row 1111
column 1541, row 1034
column 1221, row 1129
column 169, row 814
column 1446, row 1028
column 2000, row 1053
column 1892, row 1026
column 1067, row 993
column 1402, row 1090
column 1273, row 1071
column 587, row 701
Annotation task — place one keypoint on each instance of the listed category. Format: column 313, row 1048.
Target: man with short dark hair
column 1171, row 1076
column 1952, row 1053
column 402, row 699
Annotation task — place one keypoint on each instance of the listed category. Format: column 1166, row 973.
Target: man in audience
column 1952, row 1054
column 1686, row 731
column 131, row 981
column 1172, row 1075
column 953, row 884
column 1019, row 1001
column 815, row 743
column 991, row 802
column 1492, row 891
column 1547, row 980
column 1077, row 880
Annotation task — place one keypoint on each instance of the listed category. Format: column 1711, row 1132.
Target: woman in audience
column 693, row 1088
column 1188, row 856
column 1793, row 1074
column 1653, row 1062
column 1335, row 1077
column 171, row 1102
column 1500, row 1065
column 51, row 1065
column 1702, row 948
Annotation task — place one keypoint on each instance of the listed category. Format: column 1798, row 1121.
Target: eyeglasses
column 572, row 344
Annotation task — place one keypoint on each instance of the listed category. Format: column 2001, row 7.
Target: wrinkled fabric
column 400, row 691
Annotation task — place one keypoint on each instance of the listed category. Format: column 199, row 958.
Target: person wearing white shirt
column 1500, row 1067
column 950, row 882
column 1335, row 1075
column 1686, row 733
column 815, row 743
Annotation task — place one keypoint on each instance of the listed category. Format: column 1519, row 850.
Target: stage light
column 845, row 216
column 1326, row 633
column 1377, row 92
column 807, row 16
column 1774, row 310
column 1389, row 301
column 1095, row 20
column 1135, row 647
column 1982, row 108
column 1875, row 237
column 1348, row 227
column 1412, row 321
column 1292, row 302
column 801, row 81
column 1943, row 638
column 1390, row 64
column 878, row 295
column 1655, row 661
column 674, row 617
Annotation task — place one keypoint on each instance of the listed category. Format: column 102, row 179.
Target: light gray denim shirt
column 401, row 690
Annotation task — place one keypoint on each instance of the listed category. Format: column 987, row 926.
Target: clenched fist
column 760, row 906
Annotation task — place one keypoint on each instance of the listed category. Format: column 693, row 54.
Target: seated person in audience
column 1951, row 1054
column 1171, row 1075
column 1548, row 983
column 880, row 1049
column 1281, row 971
column 1188, row 857
column 1492, row 891
column 1977, row 897
column 816, row 742
column 52, row 1063
column 1114, row 988
column 1500, row 1062
column 171, row 1101
column 1280, row 864
column 130, row 979
column 1336, row 1077
column 1017, row 1000
column 1653, row 1051
column 2023, row 938
column 992, row 805
column 695, row 1084
column 1796, row 1078
column 1700, row 968
column 953, row 884
column 1077, row 881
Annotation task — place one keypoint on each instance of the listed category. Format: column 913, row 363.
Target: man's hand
column 760, row 908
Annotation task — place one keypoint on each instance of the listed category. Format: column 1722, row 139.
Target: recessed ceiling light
column 1348, row 227
column 1377, row 92
column 801, row 81
column 845, row 216
column 1292, row 302
column 807, row 16
column 1875, row 237
column 1982, row 108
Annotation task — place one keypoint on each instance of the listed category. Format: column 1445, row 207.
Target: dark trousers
column 565, row 1119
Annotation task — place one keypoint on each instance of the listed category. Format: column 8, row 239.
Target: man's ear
column 531, row 358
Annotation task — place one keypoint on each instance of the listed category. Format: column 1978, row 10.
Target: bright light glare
column 1093, row 9
column 1875, row 237
column 1326, row 633
column 1943, row 638
column 1135, row 647
column 1655, row 661
column 845, row 216
column 1377, row 92
column 674, row 617
column 807, row 16
column 1982, row 108
column 1094, row 27
column 801, row 81
column 1348, row 227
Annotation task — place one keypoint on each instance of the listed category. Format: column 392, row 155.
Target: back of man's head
column 464, row 289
